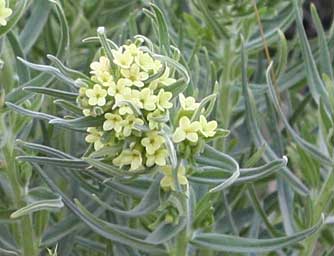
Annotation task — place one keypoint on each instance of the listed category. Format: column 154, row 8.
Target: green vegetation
column 165, row 128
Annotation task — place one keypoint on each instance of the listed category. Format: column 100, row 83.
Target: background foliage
column 275, row 95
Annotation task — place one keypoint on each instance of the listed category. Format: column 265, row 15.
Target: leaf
column 64, row 39
column 52, row 92
column 171, row 150
column 30, row 113
column 176, row 88
column 148, row 204
column 228, row 243
column 50, row 70
column 108, row 230
column 77, row 123
column 315, row 83
column 68, row 106
column 106, row 168
column 166, row 231
column 173, row 63
column 105, row 43
column 39, row 199
column 5, row 252
column 161, row 23
column 208, row 100
column 226, row 162
column 310, row 148
column 22, row 70
column 325, row 57
column 282, row 21
column 282, row 55
column 44, row 149
column 68, row 163
column 74, row 74
column 34, row 25
column 214, row 175
column 252, row 124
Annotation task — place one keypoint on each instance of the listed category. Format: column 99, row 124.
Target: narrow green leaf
column 255, row 132
column 282, row 55
column 50, row 70
column 310, row 148
column 162, row 28
column 148, row 204
column 22, row 70
column 52, row 92
column 80, row 122
column 166, row 231
column 315, row 83
column 68, row 163
column 325, row 57
column 228, row 243
column 44, row 149
column 34, row 25
column 74, row 74
column 41, row 200
column 30, row 113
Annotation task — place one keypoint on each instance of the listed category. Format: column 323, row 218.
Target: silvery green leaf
column 228, row 243
column 39, row 199
column 52, row 92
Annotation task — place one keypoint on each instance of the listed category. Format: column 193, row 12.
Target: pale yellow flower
column 158, row 158
column 135, row 75
column 164, row 80
column 187, row 130
column 96, row 96
column 147, row 99
column 94, row 136
column 189, row 103
column 132, row 49
column 129, row 124
column 86, row 112
column 104, row 78
column 152, row 142
column 208, row 129
column 122, row 59
column 145, row 61
column 101, row 66
column 151, row 118
column 167, row 182
column 4, row 13
column 113, row 122
column 163, row 100
column 129, row 157
column 121, row 90
column 157, row 66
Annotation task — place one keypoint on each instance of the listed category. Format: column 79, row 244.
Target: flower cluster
column 191, row 131
column 4, row 13
column 131, row 93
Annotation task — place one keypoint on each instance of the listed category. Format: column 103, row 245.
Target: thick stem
column 182, row 244
column 25, row 226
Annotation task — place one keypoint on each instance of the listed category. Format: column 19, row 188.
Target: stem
column 182, row 244
column 25, row 226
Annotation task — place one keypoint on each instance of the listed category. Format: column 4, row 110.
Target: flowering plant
column 154, row 174
column 133, row 90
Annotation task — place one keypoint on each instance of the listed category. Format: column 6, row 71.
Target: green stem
column 182, row 244
column 25, row 225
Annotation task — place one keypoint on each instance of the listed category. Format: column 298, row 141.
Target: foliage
column 191, row 110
